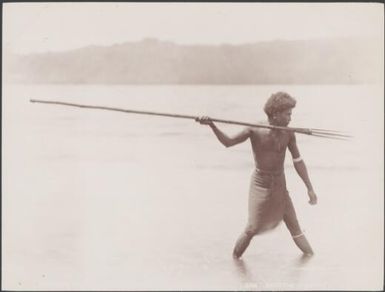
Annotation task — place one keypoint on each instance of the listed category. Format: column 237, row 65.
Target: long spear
column 307, row 131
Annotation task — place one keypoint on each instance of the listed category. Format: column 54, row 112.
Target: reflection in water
column 242, row 269
column 303, row 260
column 295, row 272
column 249, row 281
column 287, row 277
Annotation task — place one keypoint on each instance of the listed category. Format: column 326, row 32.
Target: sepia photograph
column 192, row 146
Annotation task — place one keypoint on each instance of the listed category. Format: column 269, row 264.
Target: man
column 269, row 201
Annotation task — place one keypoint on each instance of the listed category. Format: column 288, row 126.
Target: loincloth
column 267, row 201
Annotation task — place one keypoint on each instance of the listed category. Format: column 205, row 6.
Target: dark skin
column 269, row 146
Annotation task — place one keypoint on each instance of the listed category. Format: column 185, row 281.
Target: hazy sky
column 33, row 27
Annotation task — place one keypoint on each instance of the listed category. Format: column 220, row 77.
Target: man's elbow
column 227, row 144
column 298, row 163
column 300, row 166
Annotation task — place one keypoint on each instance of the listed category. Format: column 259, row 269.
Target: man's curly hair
column 278, row 102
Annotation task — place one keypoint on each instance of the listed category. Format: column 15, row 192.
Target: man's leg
column 301, row 241
column 241, row 244
column 257, row 196
column 251, row 227
column 291, row 221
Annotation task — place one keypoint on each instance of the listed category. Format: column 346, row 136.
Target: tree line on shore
column 151, row 61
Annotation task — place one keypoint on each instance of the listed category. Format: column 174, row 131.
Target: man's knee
column 251, row 230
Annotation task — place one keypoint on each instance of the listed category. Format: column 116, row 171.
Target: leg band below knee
column 299, row 235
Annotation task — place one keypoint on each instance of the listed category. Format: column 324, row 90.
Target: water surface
column 103, row 200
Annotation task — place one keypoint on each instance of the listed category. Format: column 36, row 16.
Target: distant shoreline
column 154, row 62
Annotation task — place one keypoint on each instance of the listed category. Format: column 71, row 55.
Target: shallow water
column 104, row 200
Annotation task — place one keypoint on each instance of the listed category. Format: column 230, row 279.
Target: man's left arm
column 301, row 169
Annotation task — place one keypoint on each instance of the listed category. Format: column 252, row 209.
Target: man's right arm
column 222, row 137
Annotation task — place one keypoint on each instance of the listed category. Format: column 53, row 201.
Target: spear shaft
column 297, row 130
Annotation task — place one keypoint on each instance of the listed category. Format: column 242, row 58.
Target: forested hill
column 326, row 61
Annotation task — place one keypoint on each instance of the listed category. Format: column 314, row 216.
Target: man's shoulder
column 291, row 135
column 291, row 140
column 258, row 131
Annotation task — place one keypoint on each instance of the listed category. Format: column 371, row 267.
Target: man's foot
column 303, row 245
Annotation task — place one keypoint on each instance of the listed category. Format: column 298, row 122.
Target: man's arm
column 301, row 169
column 222, row 137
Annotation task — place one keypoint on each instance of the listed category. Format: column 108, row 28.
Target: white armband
column 298, row 159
